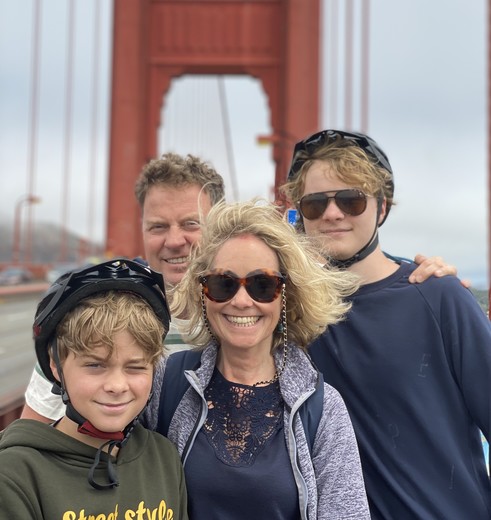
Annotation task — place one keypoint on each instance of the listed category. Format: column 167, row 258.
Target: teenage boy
column 412, row 362
column 98, row 336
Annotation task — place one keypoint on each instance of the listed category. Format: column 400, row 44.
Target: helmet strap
column 362, row 253
column 112, row 475
column 59, row 387
column 87, row 428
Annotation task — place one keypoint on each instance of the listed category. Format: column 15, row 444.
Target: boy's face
column 171, row 225
column 341, row 235
column 109, row 393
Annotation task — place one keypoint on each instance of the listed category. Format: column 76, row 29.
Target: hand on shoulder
column 433, row 266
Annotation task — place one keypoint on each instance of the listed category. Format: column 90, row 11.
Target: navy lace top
column 239, row 466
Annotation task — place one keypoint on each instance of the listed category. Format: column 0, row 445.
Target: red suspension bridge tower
column 275, row 41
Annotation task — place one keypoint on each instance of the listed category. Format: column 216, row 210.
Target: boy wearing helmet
column 412, row 362
column 98, row 336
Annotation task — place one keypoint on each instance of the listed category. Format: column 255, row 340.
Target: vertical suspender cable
column 196, row 86
column 95, row 113
column 67, row 132
column 202, row 89
column 33, row 123
column 228, row 137
column 333, row 64
column 365, row 62
column 348, row 87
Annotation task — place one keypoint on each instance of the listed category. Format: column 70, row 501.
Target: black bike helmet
column 118, row 274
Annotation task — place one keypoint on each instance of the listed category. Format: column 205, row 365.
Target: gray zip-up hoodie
column 330, row 482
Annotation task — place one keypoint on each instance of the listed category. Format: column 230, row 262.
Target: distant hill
column 46, row 238
column 483, row 298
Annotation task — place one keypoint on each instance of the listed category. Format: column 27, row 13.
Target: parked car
column 59, row 269
column 15, row 276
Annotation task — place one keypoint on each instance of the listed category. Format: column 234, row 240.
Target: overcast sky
column 427, row 110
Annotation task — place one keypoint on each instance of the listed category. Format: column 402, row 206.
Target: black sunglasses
column 351, row 202
column 262, row 285
column 310, row 144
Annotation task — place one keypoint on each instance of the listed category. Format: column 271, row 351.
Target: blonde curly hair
column 314, row 295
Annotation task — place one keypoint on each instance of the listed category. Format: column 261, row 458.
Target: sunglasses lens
column 313, row 206
column 263, row 288
column 351, row 202
column 220, row 287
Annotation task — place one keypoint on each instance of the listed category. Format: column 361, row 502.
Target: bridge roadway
column 17, row 357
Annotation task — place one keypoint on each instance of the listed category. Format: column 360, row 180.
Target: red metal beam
column 276, row 41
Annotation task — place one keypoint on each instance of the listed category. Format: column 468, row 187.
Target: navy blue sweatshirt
column 413, row 365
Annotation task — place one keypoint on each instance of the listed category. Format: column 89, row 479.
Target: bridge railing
column 11, row 404
column 10, row 408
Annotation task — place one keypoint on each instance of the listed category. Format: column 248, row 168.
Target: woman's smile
column 242, row 321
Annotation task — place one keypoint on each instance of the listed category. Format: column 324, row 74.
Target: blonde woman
column 256, row 297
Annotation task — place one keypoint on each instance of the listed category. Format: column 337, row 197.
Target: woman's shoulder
column 333, row 402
